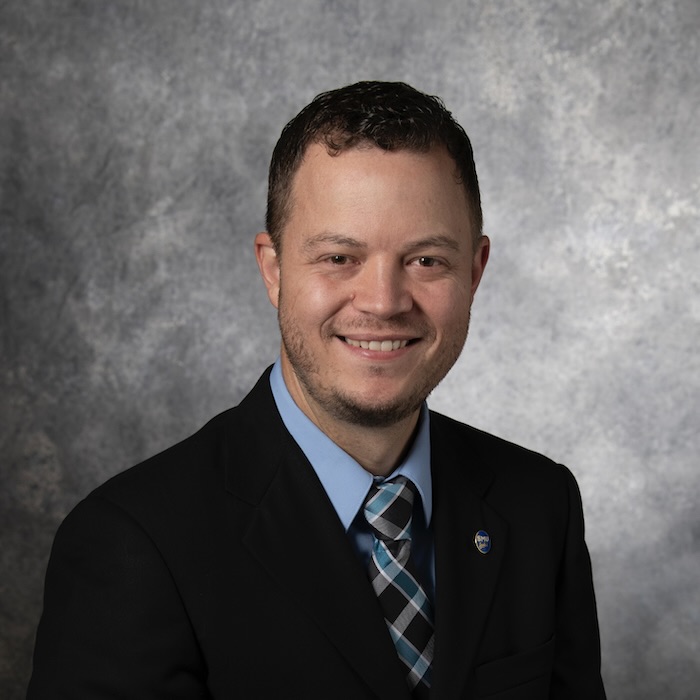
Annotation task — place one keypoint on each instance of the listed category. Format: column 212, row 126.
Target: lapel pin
column 482, row 541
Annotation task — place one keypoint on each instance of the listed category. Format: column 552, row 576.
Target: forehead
column 366, row 180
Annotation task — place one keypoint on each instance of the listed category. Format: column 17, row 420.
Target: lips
column 377, row 345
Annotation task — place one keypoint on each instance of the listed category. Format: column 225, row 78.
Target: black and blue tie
column 407, row 609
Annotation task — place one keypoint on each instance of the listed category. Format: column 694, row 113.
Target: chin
column 372, row 414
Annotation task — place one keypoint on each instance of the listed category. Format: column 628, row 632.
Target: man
column 330, row 537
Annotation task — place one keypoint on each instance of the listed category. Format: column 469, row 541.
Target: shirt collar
column 344, row 479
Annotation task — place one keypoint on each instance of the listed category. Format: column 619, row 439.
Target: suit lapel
column 465, row 578
column 297, row 537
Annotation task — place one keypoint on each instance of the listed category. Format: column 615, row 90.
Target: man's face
column 374, row 282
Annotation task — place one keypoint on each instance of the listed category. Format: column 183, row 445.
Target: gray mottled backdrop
column 134, row 142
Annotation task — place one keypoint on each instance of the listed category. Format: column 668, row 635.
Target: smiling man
column 373, row 276
column 331, row 537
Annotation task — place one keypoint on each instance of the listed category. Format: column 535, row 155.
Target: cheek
column 313, row 301
column 447, row 306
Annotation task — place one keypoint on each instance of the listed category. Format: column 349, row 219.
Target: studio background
column 134, row 144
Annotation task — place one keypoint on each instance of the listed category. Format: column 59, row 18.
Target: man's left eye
column 427, row 261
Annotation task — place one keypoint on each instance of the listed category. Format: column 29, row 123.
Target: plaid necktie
column 407, row 610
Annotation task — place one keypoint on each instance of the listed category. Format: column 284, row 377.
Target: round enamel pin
column 482, row 541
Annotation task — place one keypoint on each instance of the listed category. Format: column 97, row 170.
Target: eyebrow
column 333, row 238
column 438, row 241
column 435, row 242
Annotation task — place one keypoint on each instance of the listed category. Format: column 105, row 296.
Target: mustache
column 404, row 326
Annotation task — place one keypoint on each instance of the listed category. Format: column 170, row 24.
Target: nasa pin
column 482, row 541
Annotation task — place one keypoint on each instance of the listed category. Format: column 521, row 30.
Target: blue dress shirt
column 347, row 483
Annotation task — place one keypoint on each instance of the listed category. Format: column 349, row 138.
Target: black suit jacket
column 219, row 569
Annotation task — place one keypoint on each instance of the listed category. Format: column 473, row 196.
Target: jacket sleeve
column 113, row 624
column 576, row 674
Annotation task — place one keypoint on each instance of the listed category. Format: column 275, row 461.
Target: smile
column 377, row 345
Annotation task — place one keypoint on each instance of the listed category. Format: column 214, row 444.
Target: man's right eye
column 338, row 259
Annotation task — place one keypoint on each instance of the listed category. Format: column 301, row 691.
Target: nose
column 382, row 289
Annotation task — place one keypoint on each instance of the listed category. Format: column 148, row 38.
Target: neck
column 378, row 449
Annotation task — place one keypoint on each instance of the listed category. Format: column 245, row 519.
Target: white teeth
column 377, row 345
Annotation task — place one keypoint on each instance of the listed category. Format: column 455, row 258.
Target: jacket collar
column 465, row 578
column 293, row 518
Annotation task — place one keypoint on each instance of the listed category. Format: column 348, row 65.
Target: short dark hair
column 390, row 116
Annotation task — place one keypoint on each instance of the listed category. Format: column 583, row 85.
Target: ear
column 481, row 257
column 269, row 266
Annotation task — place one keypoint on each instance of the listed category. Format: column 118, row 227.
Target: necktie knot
column 389, row 509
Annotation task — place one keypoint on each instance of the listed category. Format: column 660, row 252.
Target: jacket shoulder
column 495, row 450
column 207, row 462
column 498, row 468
